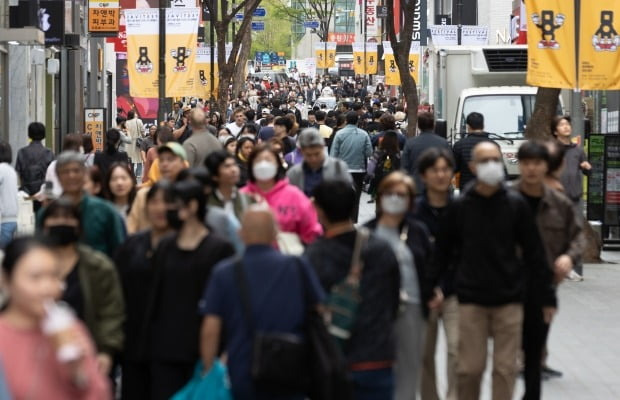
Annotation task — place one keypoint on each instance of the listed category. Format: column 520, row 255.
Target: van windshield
column 504, row 115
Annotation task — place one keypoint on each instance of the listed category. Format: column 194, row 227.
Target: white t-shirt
column 234, row 128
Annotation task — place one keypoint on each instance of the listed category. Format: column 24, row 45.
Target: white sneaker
column 574, row 277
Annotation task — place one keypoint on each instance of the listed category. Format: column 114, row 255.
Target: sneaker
column 574, row 277
column 550, row 372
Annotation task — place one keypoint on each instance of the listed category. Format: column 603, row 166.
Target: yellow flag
column 371, row 58
column 414, row 61
column 203, row 69
column 143, row 51
column 392, row 75
column 551, row 43
column 321, row 54
column 331, row 54
column 359, row 60
column 181, row 43
column 599, row 46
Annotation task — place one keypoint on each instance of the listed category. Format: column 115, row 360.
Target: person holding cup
column 48, row 358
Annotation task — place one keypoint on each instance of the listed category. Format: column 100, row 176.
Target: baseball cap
column 265, row 111
column 175, row 148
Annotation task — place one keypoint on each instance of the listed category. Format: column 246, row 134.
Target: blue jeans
column 376, row 384
column 7, row 231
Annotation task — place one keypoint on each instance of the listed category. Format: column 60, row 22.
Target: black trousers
column 535, row 332
column 358, row 182
column 154, row 380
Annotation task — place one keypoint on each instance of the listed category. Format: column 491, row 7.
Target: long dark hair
column 107, row 193
column 112, row 137
column 16, row 249
column 389, row 142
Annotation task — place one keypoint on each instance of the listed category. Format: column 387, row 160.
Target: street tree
column 222, row 21
column 539, row 125
column 307, row 10
column 401, row 45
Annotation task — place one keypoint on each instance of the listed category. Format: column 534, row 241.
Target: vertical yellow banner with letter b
column 181, row 43
column 551, row 43
column 143, row 52
column 599, row 45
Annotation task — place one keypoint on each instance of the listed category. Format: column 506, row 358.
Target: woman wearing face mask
column 293, row 210
column 409, row 241
column 134, row 262
column 92, row 287
column 31, row 276
column 110, row 154
column 120, row 188
column 182, row 265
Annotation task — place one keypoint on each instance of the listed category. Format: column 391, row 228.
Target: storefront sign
column 103, row 17
column 94, row 125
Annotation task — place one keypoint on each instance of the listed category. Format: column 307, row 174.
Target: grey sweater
column 8, row 193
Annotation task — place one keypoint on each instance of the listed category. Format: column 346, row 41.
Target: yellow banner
column 320, row 55
column 414, row 66
column 143, row 51
column 371, row 60
column 599, row 43
column 551, row 43
column 364, row 58
column 181, row 43
column 392, row 75
column 203, row 68
column 331, row 54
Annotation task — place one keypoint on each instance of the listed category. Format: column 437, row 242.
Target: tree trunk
column 409, row 89
column 240, row 72
column 594, row 245
column 539, row 126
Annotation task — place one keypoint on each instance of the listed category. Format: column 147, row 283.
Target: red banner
column 341, row 38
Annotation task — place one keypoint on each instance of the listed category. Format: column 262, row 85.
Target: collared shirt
column 229, row 205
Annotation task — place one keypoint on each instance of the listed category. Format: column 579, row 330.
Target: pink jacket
column 294, row 211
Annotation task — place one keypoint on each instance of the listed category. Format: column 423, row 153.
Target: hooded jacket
column 293, row 210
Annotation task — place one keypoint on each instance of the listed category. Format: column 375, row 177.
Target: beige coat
column 135, row 129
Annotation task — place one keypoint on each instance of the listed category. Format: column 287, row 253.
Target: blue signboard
column 266, row 58
column 311, row 24
column 260, row 12
column 239, row 16
column 258, row 26
column 258, row 56
column 274, row 57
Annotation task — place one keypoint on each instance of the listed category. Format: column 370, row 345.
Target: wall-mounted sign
column 103, row 17
column 52, row 21
column 94, row 125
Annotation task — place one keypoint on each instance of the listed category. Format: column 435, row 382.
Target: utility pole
column 576, row 112
column 161, row 110
column 212, row 44
column 326, row 33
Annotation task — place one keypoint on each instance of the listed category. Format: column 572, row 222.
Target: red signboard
column 341, row 37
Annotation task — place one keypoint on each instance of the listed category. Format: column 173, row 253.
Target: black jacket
column 498, row 249
column 414, row 147
column 422, row 250
column 373, row 334
column 462, row 155
column 31, row 166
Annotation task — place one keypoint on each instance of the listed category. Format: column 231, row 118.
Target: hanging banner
column 203, row 70
column 414, row 61
column 445, row 35
column 392, row 76
column 372, row 55
column 372, row 25
column 551, row 43
column 474, row 35
column 103, row 17
column 320, row 52
column 143, row 51
column 359, row 59
column 599, row 43
column 181, row 44
column 310, row 67
column 331, row 54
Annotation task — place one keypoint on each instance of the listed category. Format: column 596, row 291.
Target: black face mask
column 173, row 219
column 63, row 235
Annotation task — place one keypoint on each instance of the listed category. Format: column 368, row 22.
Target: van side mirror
column 441, row 128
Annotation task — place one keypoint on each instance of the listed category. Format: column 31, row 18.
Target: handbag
column 213, row 386
column 344, row 298
column 279, row 359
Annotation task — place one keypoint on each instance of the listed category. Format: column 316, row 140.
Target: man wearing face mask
column 494, row 234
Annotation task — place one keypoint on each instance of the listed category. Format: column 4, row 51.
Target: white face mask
column 490, row 172
column 264, row 170
column 393, row 204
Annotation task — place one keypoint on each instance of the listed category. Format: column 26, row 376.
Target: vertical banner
column 331, row 54
column 392, row 76
column 181, row 44
column 94, row 125
column 203, row 70
column 359, row 61
column 551, row 43
column 321, row 55
column 103, row 17
column 371, row 18
column 143, row 51
column 599, row 43
column 414, row 61
column 372, row 56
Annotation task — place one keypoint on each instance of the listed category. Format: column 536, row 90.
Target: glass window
column 504, row 115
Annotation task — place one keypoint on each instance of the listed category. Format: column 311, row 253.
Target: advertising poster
column 181, row 46
column 203, row 70
column 551, row 43
column 599, row 42
column 142, row 51
column 392, row 76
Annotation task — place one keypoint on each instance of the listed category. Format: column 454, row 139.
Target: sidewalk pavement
column 584, row 341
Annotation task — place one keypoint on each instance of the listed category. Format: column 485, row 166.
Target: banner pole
column 577, row 118
column 161, row 109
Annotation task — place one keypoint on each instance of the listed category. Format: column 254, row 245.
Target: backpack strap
column 357, row 262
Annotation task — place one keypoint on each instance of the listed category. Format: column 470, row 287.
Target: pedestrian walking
column 385, row 159
column 9, row 207
column 120, row 187
column 367, row 336
column 561, row 232
column 103, row 227
column 91, row 284
column 32, row 162
column 243, row 149
column 262, row 292
column 316, row 166
column 435, row 167
column 110, row 153
column 490, row 273
column 28, row 351
column 224, row 171
column 268, row 182
column 202, row 142
column 409, row 239
column 352, row 145
column 135, row 131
